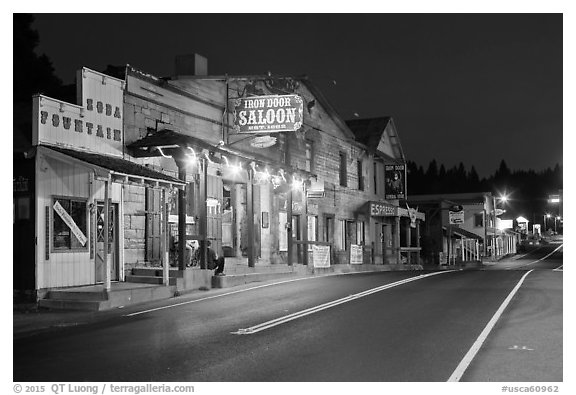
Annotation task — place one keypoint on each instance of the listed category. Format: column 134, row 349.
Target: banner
column 70, row 222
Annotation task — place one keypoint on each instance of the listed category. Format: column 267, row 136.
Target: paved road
column 390, row 330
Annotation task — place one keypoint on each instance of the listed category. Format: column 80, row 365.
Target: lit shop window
column 69, row 218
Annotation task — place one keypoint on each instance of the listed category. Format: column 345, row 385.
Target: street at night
column 413, row 331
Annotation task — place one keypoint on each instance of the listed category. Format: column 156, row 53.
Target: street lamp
column 503, row 198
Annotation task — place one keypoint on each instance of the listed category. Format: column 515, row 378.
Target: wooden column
column 305, row 227
column 203, row 213
column 181, row 163
column 107, row 263
column 250, row 217
column 164, row 242
column 418, row 241
column 289, row 222
column 396, row 237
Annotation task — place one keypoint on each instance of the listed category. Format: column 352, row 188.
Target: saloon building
column 143, row 171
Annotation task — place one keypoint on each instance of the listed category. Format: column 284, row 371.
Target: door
column 112, row 242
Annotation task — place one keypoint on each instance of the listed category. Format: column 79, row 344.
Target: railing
column 410, row 255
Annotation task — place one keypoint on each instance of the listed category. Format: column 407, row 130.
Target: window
column 343, row 231
column 309, row 157
column 360, row 176
column 375, row 178
column 343, row 170
column 329, row 229
column 479, row 220
column 360, row 235
column 75, row 213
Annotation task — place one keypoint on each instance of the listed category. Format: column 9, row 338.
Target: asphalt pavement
column 406, row 328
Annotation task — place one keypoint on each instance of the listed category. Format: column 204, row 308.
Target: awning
column 462, row 233
column 120, row 170
column 167, row 139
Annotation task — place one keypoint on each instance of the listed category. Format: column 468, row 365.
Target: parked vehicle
column 529, row 243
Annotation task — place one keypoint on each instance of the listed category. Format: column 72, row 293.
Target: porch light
column 296, row 184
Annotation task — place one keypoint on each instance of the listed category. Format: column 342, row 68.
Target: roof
column 370, row 132
column 473, row 197
column 117, row 165
column 463, row 233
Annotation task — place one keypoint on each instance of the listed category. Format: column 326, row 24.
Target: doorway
column 113, row 253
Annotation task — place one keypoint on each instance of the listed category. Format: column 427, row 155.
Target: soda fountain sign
column 268, row 114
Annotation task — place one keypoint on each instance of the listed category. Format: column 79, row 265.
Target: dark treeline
column 527, row 189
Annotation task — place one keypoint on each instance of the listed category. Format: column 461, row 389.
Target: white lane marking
column 541, row 259
column 465, row 362
column 244, row 290
column 559, row 269
column 315, row 309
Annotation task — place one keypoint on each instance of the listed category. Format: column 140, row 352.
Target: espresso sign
column 268, row 114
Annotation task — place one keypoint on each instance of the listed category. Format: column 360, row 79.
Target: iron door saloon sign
column 268, row 114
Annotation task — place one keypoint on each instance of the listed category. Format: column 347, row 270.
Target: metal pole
column 250, row 217
column 181, row 216
column 494, row 229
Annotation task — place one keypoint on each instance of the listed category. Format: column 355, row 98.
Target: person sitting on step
column 214, row 262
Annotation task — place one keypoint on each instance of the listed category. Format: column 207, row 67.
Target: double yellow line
column 303, row 313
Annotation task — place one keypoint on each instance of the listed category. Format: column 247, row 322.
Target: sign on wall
column 268, row 114
column 382, row 210
column 94, row 125
column 321, row 256
column 395, row 176
column 355, row 254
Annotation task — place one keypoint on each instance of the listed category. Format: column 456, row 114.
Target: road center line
column 465, row 362
column 541, row 259
column 315, row 309
column 242, row 290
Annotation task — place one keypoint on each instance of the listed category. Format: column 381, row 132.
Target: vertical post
column 181, row 216
column 418, row 241
column 409, row 240
column 494, row 247
column 250, row 216
column 164, row 248
column 397, row 239
column 485, row 244
column 305, row 229
column 107, row 264
column 203, row 212
column 289, row 230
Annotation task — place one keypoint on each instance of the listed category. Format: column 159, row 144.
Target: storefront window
column 63, row 236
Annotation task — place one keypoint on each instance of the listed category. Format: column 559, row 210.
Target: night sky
column 470, row 88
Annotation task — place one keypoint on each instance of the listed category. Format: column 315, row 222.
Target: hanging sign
column 70, row 222
column 456, row 217
column 263, row 141
column 395, row 182
column 268, row 114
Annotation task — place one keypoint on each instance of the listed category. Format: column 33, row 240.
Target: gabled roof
column 372, row 132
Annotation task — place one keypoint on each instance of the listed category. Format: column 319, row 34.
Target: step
column 77, row 295
column 149, row 280
column 83, row 305
column 155, row 272
column 231, row 280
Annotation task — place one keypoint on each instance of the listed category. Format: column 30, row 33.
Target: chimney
column 192, row 64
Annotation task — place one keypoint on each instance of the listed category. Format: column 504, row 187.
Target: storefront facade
column 162, row 163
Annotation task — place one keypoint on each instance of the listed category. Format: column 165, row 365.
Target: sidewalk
column 29, row 319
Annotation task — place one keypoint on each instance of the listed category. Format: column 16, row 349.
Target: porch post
column 181, row 163
column 107, row 264
column 164, row 250
column 408, row 242
column 418, row 241
column 250, row 217
column 397, row 239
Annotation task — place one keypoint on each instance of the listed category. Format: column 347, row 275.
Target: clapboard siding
column 61, row 179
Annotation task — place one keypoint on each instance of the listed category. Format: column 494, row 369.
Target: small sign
column 268, row 114
column 263, row 141
column 382, row 210
column 321, row 256
column 456, row 217
column 395, row 176
column 355, row 254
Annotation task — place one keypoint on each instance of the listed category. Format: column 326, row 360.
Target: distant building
column 472, row 234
